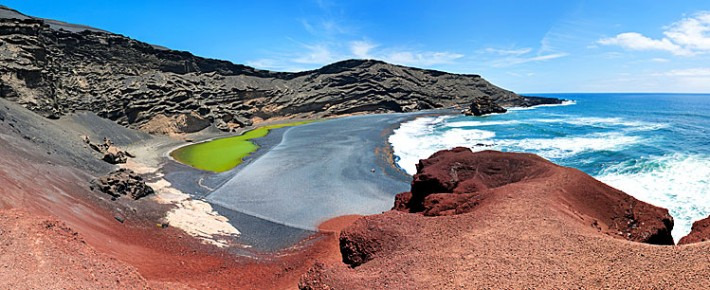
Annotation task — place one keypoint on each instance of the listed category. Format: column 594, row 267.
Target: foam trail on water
column 419, row 139
column 564, row 103
column 678, row 182
column 461, row 124
column 564, row 147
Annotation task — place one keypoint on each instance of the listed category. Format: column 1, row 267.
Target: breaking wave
column 678, row 182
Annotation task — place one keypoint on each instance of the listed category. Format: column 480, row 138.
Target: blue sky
column 525, row 46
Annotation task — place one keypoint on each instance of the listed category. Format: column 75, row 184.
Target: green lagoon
column 223, row 154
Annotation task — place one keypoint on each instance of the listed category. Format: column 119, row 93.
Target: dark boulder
column 111, row 153
column 122, row 182
column 483, row 106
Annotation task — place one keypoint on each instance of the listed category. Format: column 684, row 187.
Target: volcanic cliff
column 55, row 68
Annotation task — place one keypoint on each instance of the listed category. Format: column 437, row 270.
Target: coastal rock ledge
column 700, row 232
column 506, row 220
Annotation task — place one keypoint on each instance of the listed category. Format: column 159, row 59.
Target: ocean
column 655, row 147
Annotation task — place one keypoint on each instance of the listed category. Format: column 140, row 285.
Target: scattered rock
column 115, row 158
column 119, row 218
column 111, row 153
column 123, row 182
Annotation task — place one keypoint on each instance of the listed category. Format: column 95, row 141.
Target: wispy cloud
column 361, row 48
column 314, row 55
column 508, row 51
column 525, row 59
column 426, row 58
column 687, row 37
column 324, row 27
column 689, row 72
column 516, row 56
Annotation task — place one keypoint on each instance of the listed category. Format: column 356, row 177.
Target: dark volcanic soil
column 506, row 220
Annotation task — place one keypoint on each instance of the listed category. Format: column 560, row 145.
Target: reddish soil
column 506, row 220
column 139, row 253
column 699, row 233
column 37, row 251
column 337, row 224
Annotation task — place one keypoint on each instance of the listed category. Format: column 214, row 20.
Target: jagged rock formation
column 484, row 106
column 700, row 232
column 53, row 71
column 122, row 182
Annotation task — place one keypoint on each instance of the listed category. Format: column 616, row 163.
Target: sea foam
column 564, row 103
column 565, row 147
column 678, row 182
column 419, row 139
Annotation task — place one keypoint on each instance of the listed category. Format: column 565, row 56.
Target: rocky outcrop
column 509, row 220
column 54, row 70
column 529, row 101
column 700, row 232
column 456, row 181
column 122, row 182
column 484, row 106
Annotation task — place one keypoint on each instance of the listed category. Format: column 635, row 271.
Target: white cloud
column 510, row 61
column 692, row 33
column 689, row 72
column 689, row 36
column 421, row 58
column 636, row 41
column 659, row 59
column 508, row 51
column 316, row 54
column 361, row 48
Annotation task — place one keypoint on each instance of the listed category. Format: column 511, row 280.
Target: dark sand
column 319, row 171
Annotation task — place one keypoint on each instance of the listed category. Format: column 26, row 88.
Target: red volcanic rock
column 699, row 233
column 456, row 181
column 510, row 221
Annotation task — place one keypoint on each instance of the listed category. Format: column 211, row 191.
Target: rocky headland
column 511, row 220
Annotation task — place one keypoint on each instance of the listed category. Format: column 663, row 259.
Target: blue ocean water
column 655, row 147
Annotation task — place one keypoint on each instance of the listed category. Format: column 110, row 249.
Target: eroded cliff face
column 54, row 71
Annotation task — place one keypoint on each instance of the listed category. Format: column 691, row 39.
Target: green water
column 223, row 154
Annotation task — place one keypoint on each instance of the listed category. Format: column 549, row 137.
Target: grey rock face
column 54, row 71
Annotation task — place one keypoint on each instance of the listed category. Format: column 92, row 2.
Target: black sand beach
column 338, row 159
